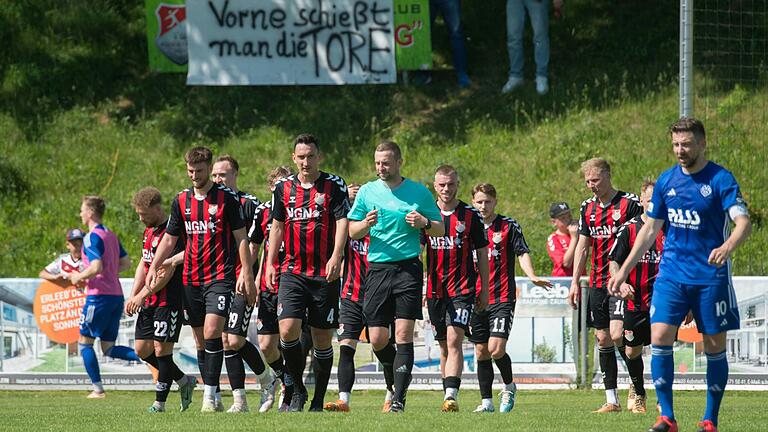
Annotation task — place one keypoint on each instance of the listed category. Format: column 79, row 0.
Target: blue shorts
column 101, row 317
column 714, row 306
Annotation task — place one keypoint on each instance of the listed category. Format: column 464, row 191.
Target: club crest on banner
column 172, row 35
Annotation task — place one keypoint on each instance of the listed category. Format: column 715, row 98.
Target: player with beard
column 452, row 278
column 210, row 217
column 266, row 323
column 601, row 216
column 697, row 200
column 491, row 327
column 309, row 214
column 159, row 308
column 393, row 210
column 236, row 347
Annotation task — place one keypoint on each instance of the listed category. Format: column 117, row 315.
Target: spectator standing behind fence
column 538, row 11
column 561, row 244
column 59, row 270
column 451, row 13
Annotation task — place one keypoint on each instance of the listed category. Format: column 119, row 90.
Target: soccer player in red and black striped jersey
column 236, row 347
column 309, row 214
column 266, row 323
column 600, row 219
column 211, row 219
column 452, row 278
column 637, row 291
column 159, row 307
column 351, row 319
column 491, row 327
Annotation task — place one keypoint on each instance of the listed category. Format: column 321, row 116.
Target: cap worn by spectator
column 558, row 209
column 75, row 234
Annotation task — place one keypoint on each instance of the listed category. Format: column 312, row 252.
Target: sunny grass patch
column 562, row 410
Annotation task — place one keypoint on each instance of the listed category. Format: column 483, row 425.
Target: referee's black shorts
column 393, row 291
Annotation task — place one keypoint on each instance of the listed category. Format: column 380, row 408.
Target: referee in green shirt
column 393, row 210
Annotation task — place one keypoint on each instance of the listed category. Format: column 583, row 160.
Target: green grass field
column 535, row 410
column 80, row 114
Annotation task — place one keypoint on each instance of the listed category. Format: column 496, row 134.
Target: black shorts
column 266, row 323
column 637, row 328
column 159, row 323
column 351, row 320
column 392, row 291
column 450, row 311
column 312, row 299
column 239, row 316
column 213, row 298
column 603, row 308
column 494, row 321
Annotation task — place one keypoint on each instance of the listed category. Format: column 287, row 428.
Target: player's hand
column 416, row 220
column 688, row 318
column 626, row 291
column 574, row 296
column 251, row 293
column 151, row 277
column 133, row 305
column 271, row 276
column 352, row 190
column 482, row 301
column 333, row 268
column 718, row 257
column 544, row 283
column 372, row 218
column 615, row 282
column 573, row 230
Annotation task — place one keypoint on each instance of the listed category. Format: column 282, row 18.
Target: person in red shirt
column 58, row 271
column 561, row 244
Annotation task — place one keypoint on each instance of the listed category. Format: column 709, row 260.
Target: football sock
column 323, row 365
column 279, row 367
column 91, row 363
column 201, row 368
column 122, row 353
column 151, row 360
column 294, row 362
column 635, row 367
column 238, row 396
column 623, row 353
column 663, row 373
column 451, row 384
column 485, row 378
column 609, row 368
column 251, row 355
column 504, row 363
column 346, row 369
column 214, row 357
column 306, row 346
column 235, row 369
column 403, row 365
column 386, row 357
column 717, row 377
column 164, row 377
